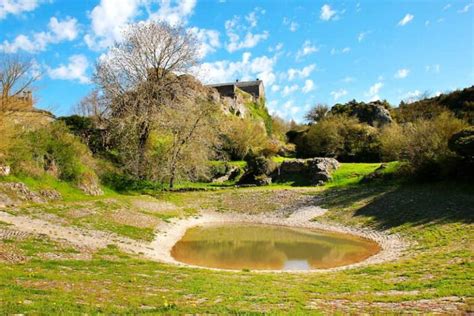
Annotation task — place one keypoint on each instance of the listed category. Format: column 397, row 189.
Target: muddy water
column 264, row 247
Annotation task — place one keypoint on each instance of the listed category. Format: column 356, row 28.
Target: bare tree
column 192, row 126
column 17, row 76
column 92, row 105
column 136, row 78
column 317, row 113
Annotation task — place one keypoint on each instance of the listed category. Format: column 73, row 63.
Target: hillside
column 460, row 102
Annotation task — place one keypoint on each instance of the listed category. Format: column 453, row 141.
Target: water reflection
column 262, row 247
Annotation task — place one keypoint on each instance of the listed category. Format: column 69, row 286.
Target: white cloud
column 362, row 35
column 402, row 73
column 373, row 92
column 338, row 94
column 292, row 25
column 245, row 69
column 411, row 96
column 16, row 7
column 241, row 35
column 289, row 90
column 348, row 79
column 275, row 88
column 327, row 13
column 406, row 19
column 436, row 68
column 446, row 7
column 344, row 50
column 74, row 70
column 278, row 47
column 306, row 49
column 294, row 73
column 466, row 8
column 208, row 40
column 65, row 30
column 308, row 86
column 173, row 12
column 108, row 20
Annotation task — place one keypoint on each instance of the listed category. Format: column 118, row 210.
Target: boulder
column 50, row 194
column 231, row 174
column 89, row 184
column 19, row 191
column 316, row 170
column 462, row 143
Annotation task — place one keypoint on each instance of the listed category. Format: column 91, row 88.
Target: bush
column 242, row 135
column 462, row 143
column 423, row 144
column 340, row 137
column 51, row 149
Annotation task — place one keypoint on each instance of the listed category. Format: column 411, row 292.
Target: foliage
column 374, row 113
column 462, row 143
column 241, row 135
column 137, row 84
column 186, row 136
column 86, row 128
column 341, row 137
column 259, row 165
column 53, row 150
column 423, row 143
column 259, row 111
column 459, row 102
column 317, row 113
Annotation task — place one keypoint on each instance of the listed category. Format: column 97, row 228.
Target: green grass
column 352, row 173
column 68, row 191
column 436, row 218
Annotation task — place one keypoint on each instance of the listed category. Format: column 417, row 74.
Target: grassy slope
column 436, row 218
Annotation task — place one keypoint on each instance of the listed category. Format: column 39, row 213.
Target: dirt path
column 81, row 237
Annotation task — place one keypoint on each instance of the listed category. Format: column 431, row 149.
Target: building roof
column 237, row 83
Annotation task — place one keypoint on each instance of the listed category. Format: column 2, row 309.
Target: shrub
column 242, row 135
column 259, row 165
column 462, row 143
column 340, row 137
column 423, row 144
column 51, row 149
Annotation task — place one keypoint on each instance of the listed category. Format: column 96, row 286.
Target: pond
column 265, row 247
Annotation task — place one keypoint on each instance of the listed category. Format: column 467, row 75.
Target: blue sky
column 306, row 52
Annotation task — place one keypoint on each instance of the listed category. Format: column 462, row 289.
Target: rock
column 316, row 170
column 4, row 170
column 89, row 184
column 263, row 180
column 374, row 113
column 462, row 143
column 50, row 194
column 18, row 190
column 376, row 174
column 6, row 201
column 231, row 174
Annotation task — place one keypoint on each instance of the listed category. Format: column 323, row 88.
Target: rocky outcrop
column 462, row 143
column 230, row 174
column 15, row 193
column 315, row 170
column 375, row 113
column 89, row 184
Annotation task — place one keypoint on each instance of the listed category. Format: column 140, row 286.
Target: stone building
column 254, row 88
